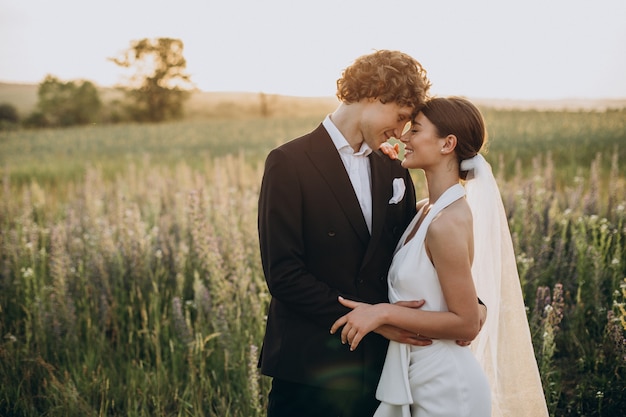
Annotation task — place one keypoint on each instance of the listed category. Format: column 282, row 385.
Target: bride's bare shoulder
column 453, row 221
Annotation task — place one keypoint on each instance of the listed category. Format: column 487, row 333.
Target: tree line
column 155, row 92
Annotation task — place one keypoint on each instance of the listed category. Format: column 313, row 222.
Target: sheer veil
column 504, row 346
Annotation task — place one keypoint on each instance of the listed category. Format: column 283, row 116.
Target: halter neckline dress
column 442, row 379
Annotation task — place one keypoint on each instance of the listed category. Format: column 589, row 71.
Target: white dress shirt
column 357, row 166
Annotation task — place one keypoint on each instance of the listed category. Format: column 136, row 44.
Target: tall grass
column 143, row 297
column 571, row 248
column 130, row 279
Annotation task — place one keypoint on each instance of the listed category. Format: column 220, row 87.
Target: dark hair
column 459, row 117
column 390, row 76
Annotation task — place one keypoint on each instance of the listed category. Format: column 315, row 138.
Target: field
column 130, row 278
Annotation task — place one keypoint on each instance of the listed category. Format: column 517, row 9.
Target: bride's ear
column 449, row 144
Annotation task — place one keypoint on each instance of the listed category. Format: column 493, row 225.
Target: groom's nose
column 398, row 130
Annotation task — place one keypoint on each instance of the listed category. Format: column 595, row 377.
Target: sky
column 529, row 50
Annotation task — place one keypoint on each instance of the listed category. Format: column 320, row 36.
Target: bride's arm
column 404, row 336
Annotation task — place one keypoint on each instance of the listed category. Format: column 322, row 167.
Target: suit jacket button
column 381, row 278
column 360, row 281
column 331, row 233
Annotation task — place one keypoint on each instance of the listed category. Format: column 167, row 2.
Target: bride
column 454, row 245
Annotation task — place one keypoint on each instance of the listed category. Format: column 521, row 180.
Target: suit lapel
column 325, row 157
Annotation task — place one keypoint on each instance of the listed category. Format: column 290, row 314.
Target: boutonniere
column 399, row 187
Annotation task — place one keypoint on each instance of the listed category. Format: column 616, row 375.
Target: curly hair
column 390, row 76
column 458, row 116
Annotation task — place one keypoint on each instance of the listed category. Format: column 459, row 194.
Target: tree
column 160, row 84
column 68, row 103
column 8, row 116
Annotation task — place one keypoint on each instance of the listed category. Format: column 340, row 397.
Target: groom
column 331, row 210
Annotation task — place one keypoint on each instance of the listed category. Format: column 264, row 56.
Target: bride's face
column 422, row 144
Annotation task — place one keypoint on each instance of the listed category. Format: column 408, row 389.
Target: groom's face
column 382, row 121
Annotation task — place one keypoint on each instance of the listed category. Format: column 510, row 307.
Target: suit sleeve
column 281, row 241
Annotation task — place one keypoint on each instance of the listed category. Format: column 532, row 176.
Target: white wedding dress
column 442, row 379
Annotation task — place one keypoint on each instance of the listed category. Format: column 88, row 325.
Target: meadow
column 130, row 278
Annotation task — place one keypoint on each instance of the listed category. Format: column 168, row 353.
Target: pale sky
column 531, row 49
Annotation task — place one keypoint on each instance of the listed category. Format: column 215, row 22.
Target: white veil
column 504, row 346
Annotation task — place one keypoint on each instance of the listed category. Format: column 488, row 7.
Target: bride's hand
column 363, row 319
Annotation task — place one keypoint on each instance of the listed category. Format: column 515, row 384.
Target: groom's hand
column 390, row 150
column 403, row 336
column 483, row 314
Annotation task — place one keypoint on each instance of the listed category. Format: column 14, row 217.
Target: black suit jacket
column 315, row 245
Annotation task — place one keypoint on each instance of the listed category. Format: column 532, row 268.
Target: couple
column 334, row 212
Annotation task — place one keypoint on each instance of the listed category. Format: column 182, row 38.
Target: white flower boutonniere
column 399, row 187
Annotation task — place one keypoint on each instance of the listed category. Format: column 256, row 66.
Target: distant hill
column 22, row 96
column 201, row 104
column 241, row 104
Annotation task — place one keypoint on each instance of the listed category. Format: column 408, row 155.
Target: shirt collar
column 340, row 141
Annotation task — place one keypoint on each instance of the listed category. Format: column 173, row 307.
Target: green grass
column 571, row 138
column 130, row 278
column 517, row 138
column 61, row 155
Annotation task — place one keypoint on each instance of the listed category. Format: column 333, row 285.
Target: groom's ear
column 449, row 144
